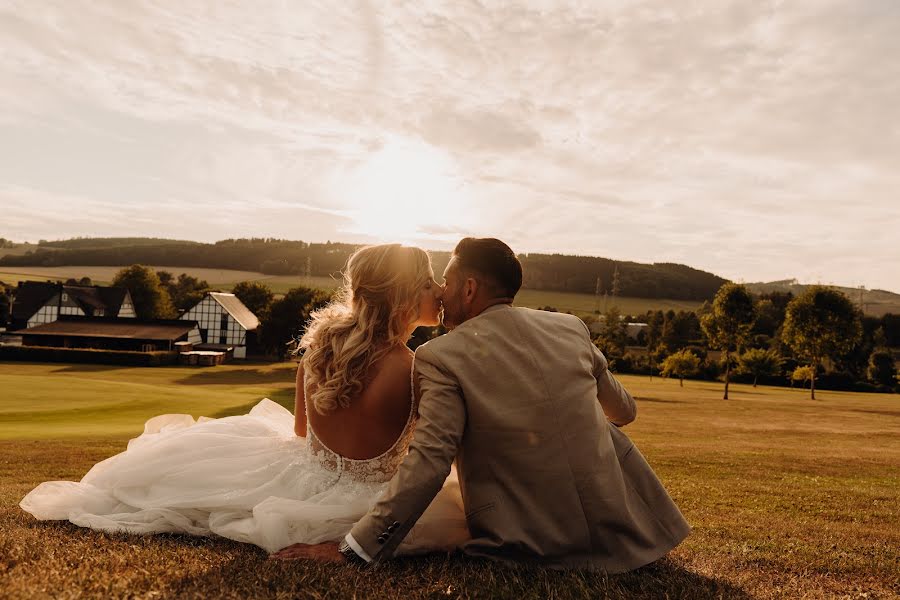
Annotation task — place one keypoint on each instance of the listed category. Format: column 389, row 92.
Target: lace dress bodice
column 371, row 470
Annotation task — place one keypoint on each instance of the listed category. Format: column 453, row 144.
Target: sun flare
column 407, row 191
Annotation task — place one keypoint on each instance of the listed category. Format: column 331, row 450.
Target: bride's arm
column 300, row 404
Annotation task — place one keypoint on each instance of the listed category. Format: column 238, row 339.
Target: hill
column 872, row 302
column 551, row 272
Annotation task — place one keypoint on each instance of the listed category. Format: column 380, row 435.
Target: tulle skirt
column 248, row 478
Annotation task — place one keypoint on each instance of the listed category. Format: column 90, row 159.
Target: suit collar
column 489, row 309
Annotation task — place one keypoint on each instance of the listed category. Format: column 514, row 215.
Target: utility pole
column 615, row 283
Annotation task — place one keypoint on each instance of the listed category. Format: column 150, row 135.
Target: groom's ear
column 470, row 288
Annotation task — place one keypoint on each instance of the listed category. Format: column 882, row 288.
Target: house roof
column 32, row 295
column 112, row 327
column 236, row 309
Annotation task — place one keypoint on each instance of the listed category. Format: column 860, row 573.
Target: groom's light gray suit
column 525, row 403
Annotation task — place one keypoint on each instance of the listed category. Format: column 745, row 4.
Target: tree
column 614, row 338
column 801, row 373
column 757, row 361
column 727, row 326
column 821, row 323
column 255, row 295
column 5, row 305
column 151, row 301
column 187, row 291
column 882, row 370
column 681, row 364
column 286, row 319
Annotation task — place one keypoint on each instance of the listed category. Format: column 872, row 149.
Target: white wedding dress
column 248, row 478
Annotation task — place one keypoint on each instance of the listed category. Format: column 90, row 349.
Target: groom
column 525, row 403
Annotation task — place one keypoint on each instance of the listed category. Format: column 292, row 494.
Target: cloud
column 756, row 140
column 476, row 130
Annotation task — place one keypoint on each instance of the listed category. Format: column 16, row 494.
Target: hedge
column 85, row 355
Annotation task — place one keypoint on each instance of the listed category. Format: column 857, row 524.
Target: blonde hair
column 370, row 315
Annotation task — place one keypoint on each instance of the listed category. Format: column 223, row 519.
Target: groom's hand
column 324, row 552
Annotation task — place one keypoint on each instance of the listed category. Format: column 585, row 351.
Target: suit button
column 382, row 538
column 395, row 524
column 392, row 528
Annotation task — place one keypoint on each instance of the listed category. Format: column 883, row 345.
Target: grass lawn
column 788, row 497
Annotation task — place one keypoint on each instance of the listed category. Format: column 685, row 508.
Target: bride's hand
column 324, row 552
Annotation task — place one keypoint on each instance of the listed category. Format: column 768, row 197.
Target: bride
column 274, row 479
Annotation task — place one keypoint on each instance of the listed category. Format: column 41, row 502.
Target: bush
column 622, row 364
column 882, row 370
column 710, row 370
column 681, row 364
column 88, row 356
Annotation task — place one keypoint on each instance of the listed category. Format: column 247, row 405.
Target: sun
column 407, row 191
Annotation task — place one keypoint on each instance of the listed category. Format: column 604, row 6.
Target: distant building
column 225, row 321
column 112, row 333
column 40, row 302
column 632, row 330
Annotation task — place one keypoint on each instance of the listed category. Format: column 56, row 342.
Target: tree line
column 817, row 335
column 554, row 272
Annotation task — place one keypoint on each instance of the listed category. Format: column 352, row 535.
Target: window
column 65, row 297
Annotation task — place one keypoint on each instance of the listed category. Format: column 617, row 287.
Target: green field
column 588, row 303
column 225, row 279
column 788, row 497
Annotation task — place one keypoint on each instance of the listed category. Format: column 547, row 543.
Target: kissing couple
column 500, row 439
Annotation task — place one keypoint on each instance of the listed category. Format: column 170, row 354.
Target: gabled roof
column 113, row 297
column 32, row 295
column 236, row 309
column 86, row 297
column 112, row 327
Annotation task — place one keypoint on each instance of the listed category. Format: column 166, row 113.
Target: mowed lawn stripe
column 98, row 402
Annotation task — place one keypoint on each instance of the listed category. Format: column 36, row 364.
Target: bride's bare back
column 374, row 421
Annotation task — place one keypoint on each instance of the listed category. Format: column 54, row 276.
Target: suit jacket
column 525, row 403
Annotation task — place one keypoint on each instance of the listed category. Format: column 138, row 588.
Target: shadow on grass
column 213, row 376
column 89, row 368
column 886, row 413
column 216, row 567
column 283, row 397
column 457, row 576
column 660, row 400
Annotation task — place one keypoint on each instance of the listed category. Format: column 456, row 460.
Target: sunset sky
column 758, row 140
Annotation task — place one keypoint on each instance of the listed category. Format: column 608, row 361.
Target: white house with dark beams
column 40, row 302
column 224, row 320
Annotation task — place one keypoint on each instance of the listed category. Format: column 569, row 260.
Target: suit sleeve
column 439, row 431
column 618, row 405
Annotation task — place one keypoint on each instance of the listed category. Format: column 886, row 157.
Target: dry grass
column 789, row 498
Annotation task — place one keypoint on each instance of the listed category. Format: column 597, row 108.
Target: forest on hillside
column 556, row 272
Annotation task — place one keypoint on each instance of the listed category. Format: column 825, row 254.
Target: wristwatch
column 350, row 554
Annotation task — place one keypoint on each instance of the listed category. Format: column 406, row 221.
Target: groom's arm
column 442, row 419
column 618, row 405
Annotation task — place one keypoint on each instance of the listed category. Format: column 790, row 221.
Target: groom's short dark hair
column 494, row 261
